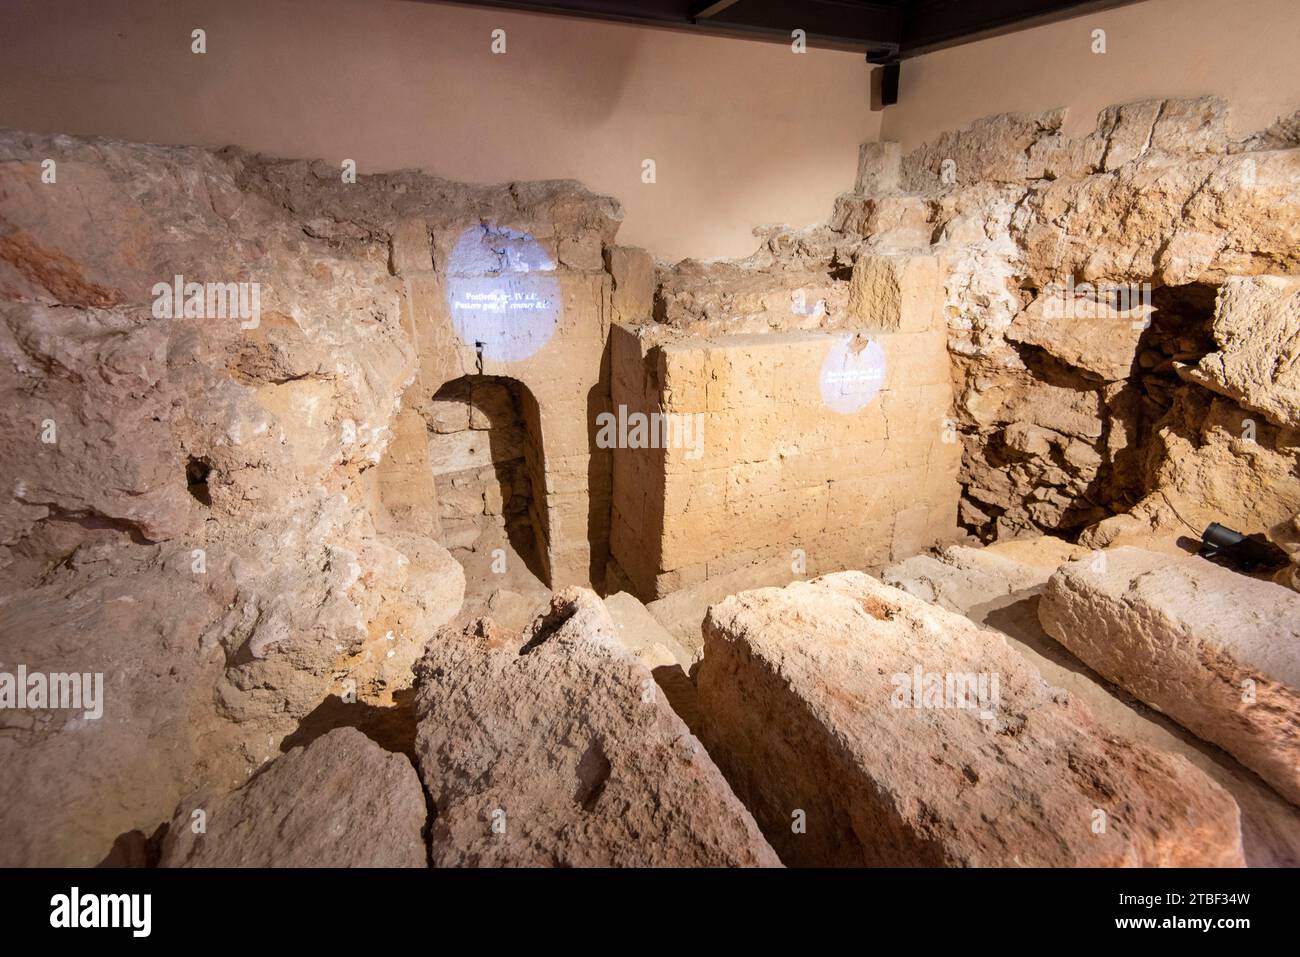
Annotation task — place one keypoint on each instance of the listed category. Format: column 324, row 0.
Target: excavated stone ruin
column 406, row 522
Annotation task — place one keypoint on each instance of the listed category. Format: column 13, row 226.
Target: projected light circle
column 503, row 295
column 851, row 378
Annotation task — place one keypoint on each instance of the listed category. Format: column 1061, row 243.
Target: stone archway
column 486, row 459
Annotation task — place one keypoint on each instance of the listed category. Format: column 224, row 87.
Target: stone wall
column 485, row 463
column 801, row 452
column 1120, row 310
column 1086, row 280
column 554, row 344
column 234, row 518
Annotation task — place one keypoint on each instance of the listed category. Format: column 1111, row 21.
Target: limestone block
column 411, row 248
column 340, row 801
column 461, row 500
column 582, row 251
column 995, row 149
column 878, row 168
column 557, row 750
column 1192, row 125
column 1286, row 535
column 959, row 578
column 1126, row 131
column 899, row 222
column 1087, row 335
column 1215, row 650
column 1257, row 327
column 491, row 405
column 405, row 477
column 633, row 271
column 461, row 451
column 895, row 293
column 1015, row 774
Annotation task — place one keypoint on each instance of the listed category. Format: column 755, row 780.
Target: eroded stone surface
column 341, row 801
column 556, row 748
column 999, row 587
column 222, row 478
column 882, row 784
column 1215, row 650
column 1257, row 328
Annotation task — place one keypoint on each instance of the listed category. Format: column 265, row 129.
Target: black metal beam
column 885, row 30
column 875, row 28
column 935, row 24
column 869, row 27
column 702, row 11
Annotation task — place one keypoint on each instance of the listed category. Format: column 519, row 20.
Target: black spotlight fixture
column 1245, row 553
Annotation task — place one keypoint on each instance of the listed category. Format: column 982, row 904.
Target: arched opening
column 485, row 452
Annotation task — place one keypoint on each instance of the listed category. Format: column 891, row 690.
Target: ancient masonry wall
column 806, row 451
column 556, row 354
column 483, row 461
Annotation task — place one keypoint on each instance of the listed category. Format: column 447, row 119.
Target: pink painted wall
column 743, row 133
column 1243, row 50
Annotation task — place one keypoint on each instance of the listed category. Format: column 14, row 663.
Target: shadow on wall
column 485, row 452
column 600, row 477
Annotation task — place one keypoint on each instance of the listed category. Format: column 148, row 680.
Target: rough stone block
column 558, row 750
column 1215, row 650
column 341, row 801
column 633, row 271
column 895, row 293
column 1257, row 327
column 878, row 168
column 912, row 737
column 581, row 252
column 411, row 249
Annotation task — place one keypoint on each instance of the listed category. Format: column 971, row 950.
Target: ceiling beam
column 834, row 24
column 885, row 30
column 930, row 25
column 710, row 9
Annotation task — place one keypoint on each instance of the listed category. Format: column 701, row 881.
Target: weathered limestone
column 341, row 801
column 556, row 748
column 633, row 273
column 669, row 660
column 533, row 288
column 1257, row 328
column 879, row 780
column 639, row 632
column 879, row 165
column 1286, row 534
column 1159, row 200
column 999, row 587
column 751, row 297
column 234, row 517
column 811, row 450
column 486, row 465
column 895, row 293
column 1090, row 336
column 961, row 579
column 1215, row 650
column 246, row 482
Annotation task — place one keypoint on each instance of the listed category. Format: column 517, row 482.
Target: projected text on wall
column 851, row 378
column 503, row 294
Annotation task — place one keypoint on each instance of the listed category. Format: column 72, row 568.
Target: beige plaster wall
column 1242, row 50
column 742, row 132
